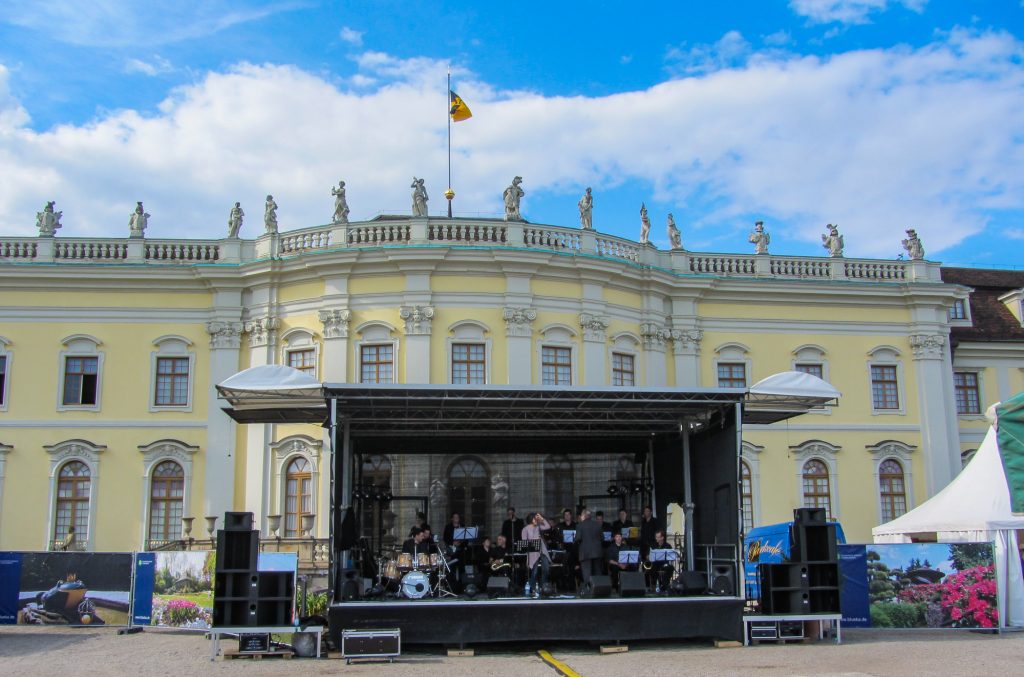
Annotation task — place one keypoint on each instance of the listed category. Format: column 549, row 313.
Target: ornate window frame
column 558, row 335
column 171, row 345
column 282, row 453
column 827, row 453
column 734, row 352
column 155, row 453
column 5, row 388
column 979, row 373
column 62, row 453
column 376, row 333
column 625, row 343
column 750, row 453
column 299, row 339
column 80, row 345
column 887, row 356
column 897, row 451
column 468, row 332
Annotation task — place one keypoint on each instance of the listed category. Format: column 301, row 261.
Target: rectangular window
column 377, row 364
column 968, row 399
column 732, row 375
column 304, row 360
column 3, row 379
column 884, row 388
column 81, row 376
column 171, row 382
column 622, row 370
column 958, row 311
column 556, row 366
column 811, row 368
column 469, row 363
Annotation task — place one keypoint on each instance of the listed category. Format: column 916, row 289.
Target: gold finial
column 449, row 194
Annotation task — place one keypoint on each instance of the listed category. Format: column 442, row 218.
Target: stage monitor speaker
column 723, row 580
column 601, row 586
column 351, row 585
column 497, row 586
column 813, row 543
column 237, row 551
column 238, row 521
column 632, row 584
column 471, row 575
column 809, row 516
column 692, row 582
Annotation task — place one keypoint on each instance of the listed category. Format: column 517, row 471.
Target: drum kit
column 411, row 577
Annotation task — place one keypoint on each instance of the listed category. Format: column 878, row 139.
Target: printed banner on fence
column 920, row 585
column 65, row 588
column 853, row 585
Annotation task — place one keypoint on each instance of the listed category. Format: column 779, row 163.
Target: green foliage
column 969, row 555
column 879, row 616
column 897, row 615
column 316, row 604
column 163, row 581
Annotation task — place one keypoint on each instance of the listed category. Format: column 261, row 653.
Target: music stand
column 607, row 536
column 629, row 557
column 465, row 533
column 663, row 555
column 568, row 536
column 523, row 548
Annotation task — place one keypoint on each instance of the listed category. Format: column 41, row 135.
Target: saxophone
column 499, row 564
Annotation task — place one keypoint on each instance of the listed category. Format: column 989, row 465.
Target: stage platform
column 515, row 619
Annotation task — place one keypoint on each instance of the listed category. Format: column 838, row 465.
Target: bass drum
column 415, row 584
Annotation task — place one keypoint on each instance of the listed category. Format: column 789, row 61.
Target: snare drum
column 404, row 561
column 415, row 584
column 423, row 560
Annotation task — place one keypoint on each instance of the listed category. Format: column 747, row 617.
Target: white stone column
column 262, row 344
column 940, row 437
column 686, row 349
column 519, row 335
column 418, row 321
column 595, row 328
column 335, row 355
column 219, row 488
column 655, row 336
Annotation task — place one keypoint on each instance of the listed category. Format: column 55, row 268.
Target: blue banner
column 142, row 593
column 853, row 585
column 10, row 584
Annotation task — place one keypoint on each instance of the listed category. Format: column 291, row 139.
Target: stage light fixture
column 637, row 487
column 613, row 489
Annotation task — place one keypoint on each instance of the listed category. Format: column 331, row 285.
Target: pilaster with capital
column 654, row 337
column 225, row 335
column 335, row 322
column 335, row 354
column 595, row 327
column 519, row 332
column 418, row 319
column 519, row 322
column 686, row 352
column 262, row 332
column 221, row 431
column 940, row 435
column 928, row 346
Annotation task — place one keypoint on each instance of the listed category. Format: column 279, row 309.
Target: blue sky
column 873, row 114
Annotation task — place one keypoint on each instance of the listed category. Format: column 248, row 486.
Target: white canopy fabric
column 276, row 377
column 273, row 387
column 974, row 507
column 795, row 384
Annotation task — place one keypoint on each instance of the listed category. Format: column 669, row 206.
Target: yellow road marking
column 562, row 668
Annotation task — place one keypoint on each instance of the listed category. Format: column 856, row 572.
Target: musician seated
column 661, row 571
column 415, row 543
column 615, row 567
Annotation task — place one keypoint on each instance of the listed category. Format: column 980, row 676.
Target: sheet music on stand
column 568, row 536
column 607, row 535
column 663, row 555
column 527, row 546
column 629, row 557
column 465, row 533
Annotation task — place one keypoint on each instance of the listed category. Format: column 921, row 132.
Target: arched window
column 816, row 488
column 73, row 486
column 166, row 502
column 558, row 484
column 747, row 496
column 377, row 473
column 468, row 485
column 298, row 499
column 892, row 488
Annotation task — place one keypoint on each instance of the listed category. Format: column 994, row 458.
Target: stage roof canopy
column 374, row 410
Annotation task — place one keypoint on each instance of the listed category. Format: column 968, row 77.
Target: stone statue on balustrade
column 419, row 198
column 586, row 205
column 270, row 215
column 138, row 222
column 340, row 203
column 512, row 195
column 833, row 242
column 759, row 238
column 48, row 221
column 645, row 225
column 235, row 220
column 915, row 250
column 674, row 238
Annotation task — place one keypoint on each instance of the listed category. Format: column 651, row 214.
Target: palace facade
column 110, row 350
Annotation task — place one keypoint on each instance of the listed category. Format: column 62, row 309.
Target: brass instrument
column 498, row 564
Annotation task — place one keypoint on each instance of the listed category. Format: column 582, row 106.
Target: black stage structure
column 692, row 436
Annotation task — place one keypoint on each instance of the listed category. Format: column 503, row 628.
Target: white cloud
column 779, row 38
column 351, row 36
column 848, row 11
column 157, row 66
column 875, row 140
column 730, row 50
column 1014, row 233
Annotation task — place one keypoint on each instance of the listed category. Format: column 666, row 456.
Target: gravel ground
column 101, row 651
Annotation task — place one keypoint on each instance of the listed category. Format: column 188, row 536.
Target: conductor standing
column 590, row 539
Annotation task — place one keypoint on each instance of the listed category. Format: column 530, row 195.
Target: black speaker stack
column 809, row 582
column 242, row 595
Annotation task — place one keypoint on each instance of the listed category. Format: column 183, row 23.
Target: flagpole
column 448, row 97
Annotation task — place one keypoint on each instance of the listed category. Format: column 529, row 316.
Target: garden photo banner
column 919, row 585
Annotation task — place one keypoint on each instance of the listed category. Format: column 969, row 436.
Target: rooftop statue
column 138, row 221
column 586, row 205
column 270, row 215
column 760, row 238
column 674, row 238
column 340, row 203
column 235, row 220
column 419, row 197
column 645, row 225
column 513, row 194
column 915, row 250
column 48, row 221
column 833, row 242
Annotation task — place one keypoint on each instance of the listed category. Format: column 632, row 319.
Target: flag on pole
column 459, row 110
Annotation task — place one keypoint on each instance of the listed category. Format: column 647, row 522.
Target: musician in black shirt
column 512, row 528
column 612, row 558
column 648, row 525
column 622, row 523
